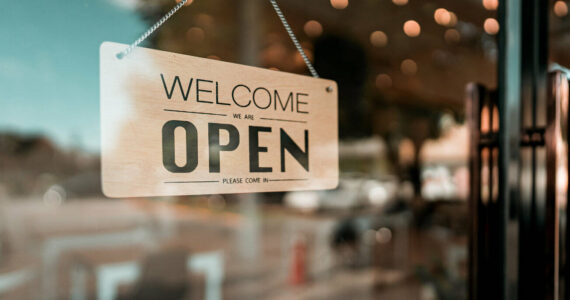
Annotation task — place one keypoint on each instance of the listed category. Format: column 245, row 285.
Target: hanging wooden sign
column 174, row 124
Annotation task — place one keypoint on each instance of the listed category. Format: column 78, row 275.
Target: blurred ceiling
column 420, row 53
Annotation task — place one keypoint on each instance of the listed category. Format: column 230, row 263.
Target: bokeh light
column 339, row 4
column 383, row 235
column 445, row 17
column 409, row 67
column 196, row 34
column 383, row 81
column 274, row 54
column 54, row 196
column 442, row 16
column 400, row 2
column 452, row 19
column 204, row 20
column 412, row 28
column 452, row 36
column 378, row 38
column 406, row 152
column 490, row 4
column 313, row 28
column 491, row 26
column 560, row 9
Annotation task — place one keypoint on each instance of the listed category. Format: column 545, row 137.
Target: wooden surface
column 135, row 106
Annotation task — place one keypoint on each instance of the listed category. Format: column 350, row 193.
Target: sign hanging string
column 169, row 14
column 152, row 29
column 294, row 38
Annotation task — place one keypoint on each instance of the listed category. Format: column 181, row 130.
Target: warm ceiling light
column 339, row 4
column 452, row 36
column 383, row 81
column 400, row 2
column 412, row 28
column 491, row 26
column 442, row 16
column 313, row 28
column 378, row 38
column 560, row 9
column 409, row 67
column 490, row 4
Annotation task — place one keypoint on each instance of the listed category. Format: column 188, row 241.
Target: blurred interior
column 395, row 228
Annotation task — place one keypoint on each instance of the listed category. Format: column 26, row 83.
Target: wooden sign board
column 174, row 124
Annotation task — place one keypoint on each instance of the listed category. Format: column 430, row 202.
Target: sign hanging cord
column 278, row 11
column 294, row 38
column 154, row 27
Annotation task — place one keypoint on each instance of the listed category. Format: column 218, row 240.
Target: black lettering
column 233, row 96
column 268, row 97
column 176, row 80
column 301, row 102
column 217, row 96
column 277, row 98
column 254, row 149
column 288, row 144
column 198, row 90
column 168, row 147
column 214, row 145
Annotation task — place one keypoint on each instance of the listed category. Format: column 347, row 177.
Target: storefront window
column 394, row 228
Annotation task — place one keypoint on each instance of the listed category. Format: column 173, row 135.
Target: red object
column 298, row 266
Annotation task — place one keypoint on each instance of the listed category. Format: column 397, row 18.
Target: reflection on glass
column 395, row 228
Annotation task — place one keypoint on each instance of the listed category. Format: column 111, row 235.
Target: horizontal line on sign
column 193, row 181
column 194, row 112
column 299, row 179
column 284, row 120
